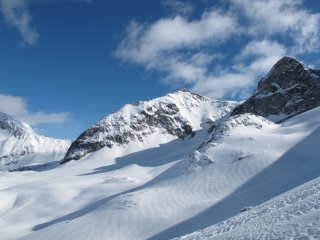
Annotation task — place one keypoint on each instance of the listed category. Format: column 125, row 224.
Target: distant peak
column 286, row 58
column 288, row 61
column 183, row 90
column 4, row 115
column 14, row 125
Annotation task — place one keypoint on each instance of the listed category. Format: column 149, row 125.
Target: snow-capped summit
column 15, row 127
column 20, row 145
column 290, row 88
column 179, row 114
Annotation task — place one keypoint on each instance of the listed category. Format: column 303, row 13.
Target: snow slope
column 291, row 215
column 161, row 188
column 20, row 145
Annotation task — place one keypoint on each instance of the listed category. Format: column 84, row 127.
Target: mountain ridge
column 288, row 89
column 176, row 114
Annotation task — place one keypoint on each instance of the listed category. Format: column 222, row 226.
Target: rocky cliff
column 290, row 88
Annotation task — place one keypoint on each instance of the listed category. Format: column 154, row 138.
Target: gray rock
column 165, row 116
column 290, row 88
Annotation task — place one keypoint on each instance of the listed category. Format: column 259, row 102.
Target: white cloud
column 179, row 7
column 17, row 107
column 262, row 48
column 286, row 17
column 17, row 15
column 147, row 44
column 188, row 51
column 237, row 79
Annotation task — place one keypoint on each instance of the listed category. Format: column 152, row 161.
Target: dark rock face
column 290, row 88
column 165, row 116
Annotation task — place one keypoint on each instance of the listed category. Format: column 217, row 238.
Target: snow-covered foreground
column 158, row 192
column 291, row 215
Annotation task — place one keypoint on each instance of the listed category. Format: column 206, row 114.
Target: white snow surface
column 291, row 215
column 21, row 146
column 166, row 187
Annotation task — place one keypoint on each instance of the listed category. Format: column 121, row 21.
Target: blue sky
column 65, row 64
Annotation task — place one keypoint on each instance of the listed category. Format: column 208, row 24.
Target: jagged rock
column 178, row 114
column 290, row 88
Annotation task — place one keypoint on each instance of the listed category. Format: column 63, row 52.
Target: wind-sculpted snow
column 20, row 145
column 179, row 114
column 289, row 89
column 143, row 195
column 292, row 215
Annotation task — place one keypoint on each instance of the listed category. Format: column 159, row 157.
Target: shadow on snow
column 297, row 166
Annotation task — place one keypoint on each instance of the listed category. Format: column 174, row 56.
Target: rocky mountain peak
column 179, row 114
column 285, row 69
column 289, row 89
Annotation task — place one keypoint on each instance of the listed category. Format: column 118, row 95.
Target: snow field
column 291, row 215
column 139, row 192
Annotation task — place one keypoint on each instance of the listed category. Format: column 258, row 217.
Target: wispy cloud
column 179, row 7
column 17, row 15
column 189, row 51
column 287, row 18
column 17, row 107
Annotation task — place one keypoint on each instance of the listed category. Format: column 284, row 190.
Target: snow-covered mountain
column 290, row 88
column 140, row 195
column 20, row 145
column 179, row 114
column 167, row 167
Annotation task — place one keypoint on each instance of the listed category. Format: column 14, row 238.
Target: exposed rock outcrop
column 179, row 114
column 290, row 88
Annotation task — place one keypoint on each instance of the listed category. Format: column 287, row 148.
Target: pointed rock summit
column 290, row 88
